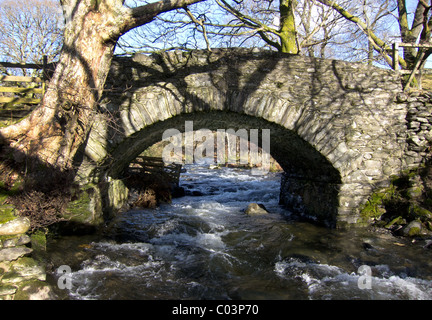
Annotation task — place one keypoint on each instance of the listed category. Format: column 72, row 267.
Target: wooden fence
column 153, row 165
column 417, row 67
column 36, row 85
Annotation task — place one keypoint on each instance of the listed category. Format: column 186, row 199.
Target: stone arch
column 300, row 161
column 345, row 115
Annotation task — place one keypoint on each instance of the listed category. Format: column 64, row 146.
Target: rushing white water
column 203, row 246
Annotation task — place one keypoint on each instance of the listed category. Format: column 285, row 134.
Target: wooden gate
column 33, row 85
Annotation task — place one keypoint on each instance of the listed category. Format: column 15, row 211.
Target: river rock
column 11, row 254
column 178, row 192
column 256, row 209
column 414, row 228
column 16, row 226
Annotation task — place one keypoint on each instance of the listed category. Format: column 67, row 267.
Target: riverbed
column 204, row 246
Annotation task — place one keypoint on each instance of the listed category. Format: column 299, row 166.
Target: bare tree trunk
column 57, row 128
column 288, row 32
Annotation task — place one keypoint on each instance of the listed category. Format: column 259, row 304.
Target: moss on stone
column 396, row 221
column 11, row 277
column 418, row 212
column 414, row 192
column 8, row 237
column 80, row 205
column 374, row 208
column 7, row 213
column 86, row 208
column 34, row 290
column 7, row 290
column 24, row 262
column 405, row 202
column 39, row 240
column 414, row 231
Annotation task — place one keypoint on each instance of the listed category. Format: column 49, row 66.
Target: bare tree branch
column 135, row 17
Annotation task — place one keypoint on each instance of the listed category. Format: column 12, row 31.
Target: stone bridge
column 339, row 130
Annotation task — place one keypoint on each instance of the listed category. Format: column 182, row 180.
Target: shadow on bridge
column 295, row 148
column 307, row 113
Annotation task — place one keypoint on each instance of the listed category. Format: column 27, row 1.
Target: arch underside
column 310, row 185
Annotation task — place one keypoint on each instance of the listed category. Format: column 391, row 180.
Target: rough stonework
column 18, row 271
column 339, row 130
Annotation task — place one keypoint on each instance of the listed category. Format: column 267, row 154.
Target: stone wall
column 21, row 276
column 419, row 126
column 335, row 125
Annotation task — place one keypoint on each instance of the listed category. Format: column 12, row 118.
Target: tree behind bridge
column 411, row 30
column 316, row 29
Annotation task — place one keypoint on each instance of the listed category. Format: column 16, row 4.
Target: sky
column 410, row 3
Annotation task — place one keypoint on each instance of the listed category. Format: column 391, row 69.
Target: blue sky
column 410, row 3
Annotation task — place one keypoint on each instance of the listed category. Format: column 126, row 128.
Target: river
column 204, row 246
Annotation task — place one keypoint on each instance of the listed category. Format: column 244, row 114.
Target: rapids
column 204, row 246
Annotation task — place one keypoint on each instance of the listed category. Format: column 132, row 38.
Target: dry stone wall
column 21, row 276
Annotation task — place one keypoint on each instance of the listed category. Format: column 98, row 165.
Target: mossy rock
column 414, row 192
column 374, row 207
column 29, row 268
column 86, row 208
column 14, row 240
column 81, row 205
column 39, row 240
column 34, row 290
column 7, row 211
column 83, row 215
column 418, row 212
column 5, row 192
column 416, row 229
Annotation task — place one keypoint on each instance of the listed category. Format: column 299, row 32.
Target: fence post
column 396, row 56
